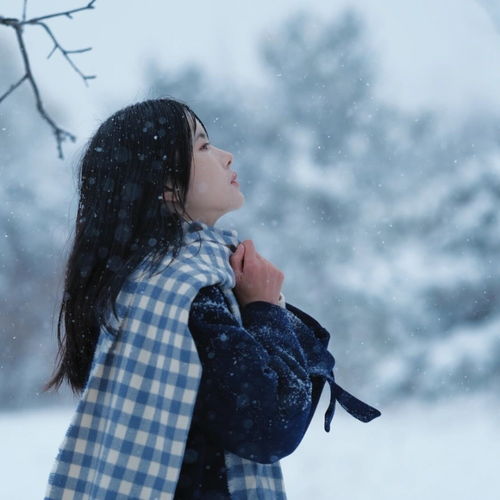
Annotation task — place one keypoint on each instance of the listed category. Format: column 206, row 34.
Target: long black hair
column 135, row 155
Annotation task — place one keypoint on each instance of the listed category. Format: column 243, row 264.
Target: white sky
column 442, row 54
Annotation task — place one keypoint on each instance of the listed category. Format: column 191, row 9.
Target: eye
column 205, row 146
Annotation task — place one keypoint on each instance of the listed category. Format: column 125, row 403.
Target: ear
column 170, row 195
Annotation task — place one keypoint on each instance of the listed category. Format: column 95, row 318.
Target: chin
column 236, row 206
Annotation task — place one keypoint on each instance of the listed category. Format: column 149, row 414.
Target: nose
column 229, row 159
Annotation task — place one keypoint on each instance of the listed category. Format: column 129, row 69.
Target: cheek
column 201, row 187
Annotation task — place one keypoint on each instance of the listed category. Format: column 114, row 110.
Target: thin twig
column 13, row 87
column 67, row 13
column 65, row 52
column 18, row 25
column 59, row 133
column 25, row 4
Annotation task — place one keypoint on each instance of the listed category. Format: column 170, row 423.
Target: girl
column 195, row 376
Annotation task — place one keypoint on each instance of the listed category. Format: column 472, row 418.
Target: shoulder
column 169, row 279
column 320, row 331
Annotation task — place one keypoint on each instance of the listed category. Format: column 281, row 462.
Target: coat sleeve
column 258, row 391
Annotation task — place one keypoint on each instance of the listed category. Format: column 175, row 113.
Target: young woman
column 195, row 376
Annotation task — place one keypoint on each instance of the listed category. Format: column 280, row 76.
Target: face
column 211, row 194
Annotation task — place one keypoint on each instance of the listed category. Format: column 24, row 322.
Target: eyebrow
column 200, row 135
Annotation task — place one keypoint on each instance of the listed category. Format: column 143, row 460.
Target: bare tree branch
column 25, row 4
column 18, row 26
column 65, row 52
column 59, row 133
column 13, row 87
column 67, row 13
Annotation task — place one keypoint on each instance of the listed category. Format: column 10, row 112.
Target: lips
column 234, row 177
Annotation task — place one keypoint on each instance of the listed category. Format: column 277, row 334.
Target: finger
column 236, row 259
column 238, row 253
column 250, row 252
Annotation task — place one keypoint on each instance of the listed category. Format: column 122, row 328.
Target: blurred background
column 366, row 140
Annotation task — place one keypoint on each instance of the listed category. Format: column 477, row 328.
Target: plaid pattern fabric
column 128, row 434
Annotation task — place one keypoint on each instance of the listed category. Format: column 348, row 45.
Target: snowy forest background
column 385, row 222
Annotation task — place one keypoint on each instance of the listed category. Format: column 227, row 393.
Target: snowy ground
column 414, row 451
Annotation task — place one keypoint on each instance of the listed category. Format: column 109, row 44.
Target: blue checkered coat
column 128, row 435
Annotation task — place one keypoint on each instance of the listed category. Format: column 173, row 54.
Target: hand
column 256, row 277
